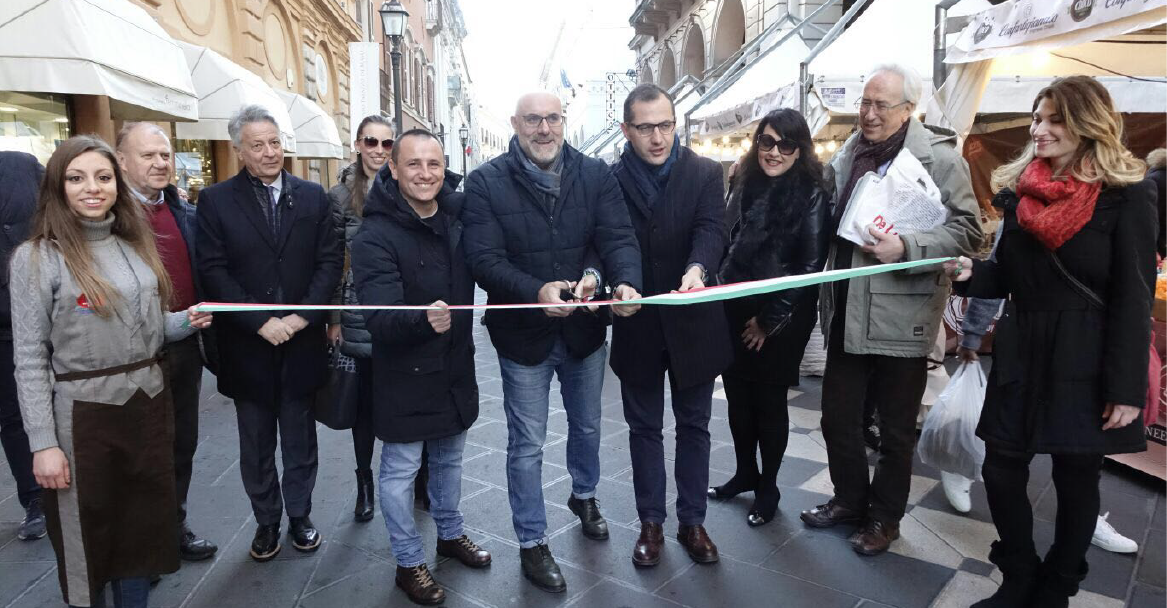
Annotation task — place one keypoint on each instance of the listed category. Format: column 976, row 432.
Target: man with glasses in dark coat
column 676, row 202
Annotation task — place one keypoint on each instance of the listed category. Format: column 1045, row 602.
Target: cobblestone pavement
column 941, row 561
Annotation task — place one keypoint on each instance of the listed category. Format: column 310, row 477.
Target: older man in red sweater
column 146, row 159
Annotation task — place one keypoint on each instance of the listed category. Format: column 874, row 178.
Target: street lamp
column 464, row 134
column 393, row 17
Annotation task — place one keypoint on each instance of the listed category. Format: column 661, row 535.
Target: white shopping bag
column 948, row 440
column 904, row 200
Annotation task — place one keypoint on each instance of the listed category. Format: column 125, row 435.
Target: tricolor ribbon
column 694, row 296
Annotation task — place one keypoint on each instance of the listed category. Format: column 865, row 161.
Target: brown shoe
column 830, row 514
column 874, row 537
column 421, row 588
column 464, row 550
column 697, row 542
column 649, row 545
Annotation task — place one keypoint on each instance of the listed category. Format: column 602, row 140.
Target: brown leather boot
column 830, row 514
column 874, row 537
column 464, row 550
column 421, row 588
column 697, row 542
column 649, row 545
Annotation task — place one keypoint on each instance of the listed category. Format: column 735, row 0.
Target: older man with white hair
column 267, row 237
column 879, row 329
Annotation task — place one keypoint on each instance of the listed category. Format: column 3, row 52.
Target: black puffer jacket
column 424, row 385
column 778, row 229
column 355, row 341
column 516, row 245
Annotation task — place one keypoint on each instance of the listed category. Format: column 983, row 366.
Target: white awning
column 316, row 132
column 886, row 32
column 223, row 87
column 95, row 47
column 767, row 84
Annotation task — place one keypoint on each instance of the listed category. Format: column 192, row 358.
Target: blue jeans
column 127, row 593
column 525, row 390
column 399, row 465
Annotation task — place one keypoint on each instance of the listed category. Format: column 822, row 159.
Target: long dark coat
column 1057, row 360
column 684, row 226
column 777, row 230
column 516, row 243
column 424, row 385
column 20, row 180
column 240, row 260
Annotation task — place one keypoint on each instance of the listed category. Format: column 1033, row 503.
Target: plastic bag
column 948, row 440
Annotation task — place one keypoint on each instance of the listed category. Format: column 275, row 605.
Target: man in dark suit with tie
column 676, row 201
column 266, row 236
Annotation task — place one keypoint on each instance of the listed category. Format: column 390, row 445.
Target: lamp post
column 393, row 17
column 464, row 134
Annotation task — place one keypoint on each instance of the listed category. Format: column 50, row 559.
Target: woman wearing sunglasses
column 373, row 144
column 777, row 215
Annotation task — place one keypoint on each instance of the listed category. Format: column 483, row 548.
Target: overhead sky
column 510, row 40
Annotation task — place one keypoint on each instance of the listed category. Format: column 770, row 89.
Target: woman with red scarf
column 1077, row 262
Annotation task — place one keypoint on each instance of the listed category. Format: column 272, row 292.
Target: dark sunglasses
column 785, row 146
column 373, row 141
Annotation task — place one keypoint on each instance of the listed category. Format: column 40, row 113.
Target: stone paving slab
column 941, row 561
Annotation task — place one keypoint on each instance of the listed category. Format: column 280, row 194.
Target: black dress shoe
column 731, row 488
column 192, row 548
column 304, row 535
column 540, row 568
column 588, row 511
column 364, row 509
column 266, row 544
column 420, row 586
column 765, row 506
column 831, row 514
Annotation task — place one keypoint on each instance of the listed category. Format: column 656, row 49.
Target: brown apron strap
column 109, row 371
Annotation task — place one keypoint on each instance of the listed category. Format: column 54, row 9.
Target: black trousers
column 12, row 435
column 644, row 411
column 1076, row 478
column 185, row 365
column 899, row 382
column 759, row 422
column 258, row 425
column 363, row 436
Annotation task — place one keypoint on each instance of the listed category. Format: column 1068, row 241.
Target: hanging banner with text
column 1058, row 22
column 364, row 65
column 696, row 296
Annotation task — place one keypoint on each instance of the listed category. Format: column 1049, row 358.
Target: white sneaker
column 956, row 490
column 1106, row 537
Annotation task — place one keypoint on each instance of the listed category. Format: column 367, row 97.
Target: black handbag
column 336, row 402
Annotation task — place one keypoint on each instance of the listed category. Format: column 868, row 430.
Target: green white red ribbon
column 695, row 296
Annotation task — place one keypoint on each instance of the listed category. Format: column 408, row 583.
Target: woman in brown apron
column 89, row 296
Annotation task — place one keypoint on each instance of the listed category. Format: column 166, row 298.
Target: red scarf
column 1054, row 211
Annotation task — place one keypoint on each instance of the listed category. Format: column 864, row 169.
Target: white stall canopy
column 316, row 132
column 1007, row 53
column 767, row 84
column 223, row 87
column 95, row 47
column 886, row 32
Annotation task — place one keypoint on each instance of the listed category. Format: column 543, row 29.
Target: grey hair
column 913, row 84
column 245, row 116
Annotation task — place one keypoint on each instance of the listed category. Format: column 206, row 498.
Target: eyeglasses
column 646, row 129
column 880, row 107
column 532, row 120
column 372, row 142
column 785, row 146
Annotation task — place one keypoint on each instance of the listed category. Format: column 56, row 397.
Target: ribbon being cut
column 695, row 296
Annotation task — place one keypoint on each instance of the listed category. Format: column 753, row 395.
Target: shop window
column 34, row 123
column 194, row 165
